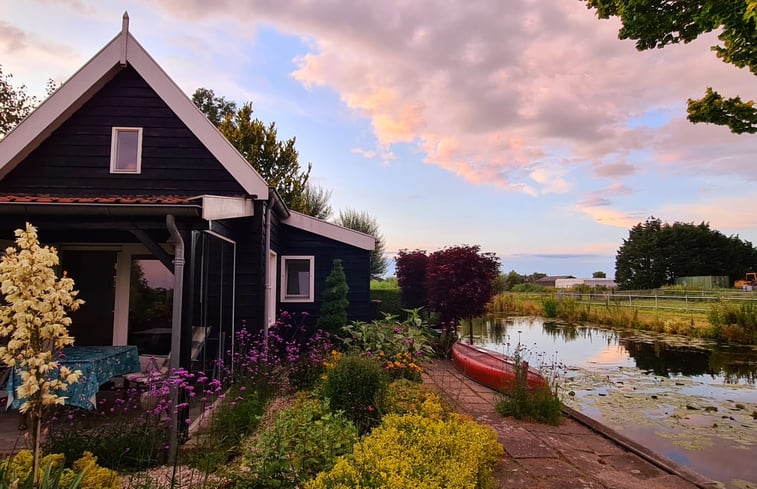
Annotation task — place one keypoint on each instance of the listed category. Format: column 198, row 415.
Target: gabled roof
column 329, row 230
column 123, row 51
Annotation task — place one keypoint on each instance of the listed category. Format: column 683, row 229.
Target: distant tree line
column 656, row 253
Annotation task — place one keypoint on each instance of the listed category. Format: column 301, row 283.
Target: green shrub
column 416, row 451
column 400, row 346
column 302, row 441
column 355, row 385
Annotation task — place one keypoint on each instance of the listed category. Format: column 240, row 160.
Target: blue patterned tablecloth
column 98, row 365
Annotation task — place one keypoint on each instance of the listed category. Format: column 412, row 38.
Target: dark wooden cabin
column 162, row 224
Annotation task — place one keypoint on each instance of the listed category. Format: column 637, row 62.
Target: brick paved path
column 574, row 455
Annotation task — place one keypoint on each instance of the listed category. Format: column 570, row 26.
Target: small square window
column 297, row 279
column 126, row 150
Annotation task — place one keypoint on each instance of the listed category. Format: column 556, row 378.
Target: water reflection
column 691, row 400
column 579, row 345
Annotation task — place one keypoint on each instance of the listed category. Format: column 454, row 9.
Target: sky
column 525, row 127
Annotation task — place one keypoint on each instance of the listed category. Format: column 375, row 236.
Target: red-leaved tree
column 460, row 281
column 410, row 267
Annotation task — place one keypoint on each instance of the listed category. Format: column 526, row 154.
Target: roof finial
column 124, row 37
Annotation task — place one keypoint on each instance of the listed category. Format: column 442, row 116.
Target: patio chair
column 156, row 368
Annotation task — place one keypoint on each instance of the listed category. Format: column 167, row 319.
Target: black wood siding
column 355, row 261
column 75, row 159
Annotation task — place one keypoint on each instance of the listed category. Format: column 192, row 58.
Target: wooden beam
column 157, row 251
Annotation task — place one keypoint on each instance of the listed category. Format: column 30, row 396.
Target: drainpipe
column 178, row 292
column 266, row 267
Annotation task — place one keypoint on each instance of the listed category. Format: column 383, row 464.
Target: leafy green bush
column 303, row 440
column 401, row 347
column 416, row 451
column 355, row 385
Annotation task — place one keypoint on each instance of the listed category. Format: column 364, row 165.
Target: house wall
column 75, row 159
column 355, row 261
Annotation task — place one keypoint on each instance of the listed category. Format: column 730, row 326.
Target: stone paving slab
column 577, row 454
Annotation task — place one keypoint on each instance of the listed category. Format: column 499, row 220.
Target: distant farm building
column 550, row 280
column 566, row 283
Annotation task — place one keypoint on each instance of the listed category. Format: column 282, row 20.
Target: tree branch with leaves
column 660, row 23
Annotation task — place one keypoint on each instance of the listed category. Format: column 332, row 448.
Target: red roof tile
column 101, row 199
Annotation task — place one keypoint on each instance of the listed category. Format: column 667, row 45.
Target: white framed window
column 126, row 150
column 297, row 279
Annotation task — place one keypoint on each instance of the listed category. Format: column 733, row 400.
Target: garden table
column 98, row 365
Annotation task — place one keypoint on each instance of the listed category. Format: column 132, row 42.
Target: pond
column 689, row 400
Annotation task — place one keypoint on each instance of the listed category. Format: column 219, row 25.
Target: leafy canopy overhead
column 659, row 23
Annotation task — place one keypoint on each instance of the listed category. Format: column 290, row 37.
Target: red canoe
column 490, row 368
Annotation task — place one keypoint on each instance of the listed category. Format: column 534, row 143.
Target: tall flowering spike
column 33, row 318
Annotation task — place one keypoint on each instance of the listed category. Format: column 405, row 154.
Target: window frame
column 114, row 150
column 310, row 297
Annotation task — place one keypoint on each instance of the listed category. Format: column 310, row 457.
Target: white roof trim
column 332, row 231
column 18, row 143
column 220, row 207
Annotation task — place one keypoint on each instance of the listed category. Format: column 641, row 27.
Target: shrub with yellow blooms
column 84, row 474
column 414, row 450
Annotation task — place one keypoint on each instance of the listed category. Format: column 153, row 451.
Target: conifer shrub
column 414, row 450
column 334, row 300
column 356, row 385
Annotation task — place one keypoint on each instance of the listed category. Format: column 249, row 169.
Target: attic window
column 126, row 150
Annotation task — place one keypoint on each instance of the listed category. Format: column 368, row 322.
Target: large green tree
column 657, row 253
column 659, row 23
column 276, row 161
column 15, row 103
column 365, row 223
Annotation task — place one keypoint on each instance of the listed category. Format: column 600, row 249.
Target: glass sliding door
column 150, row 306
column 215, row 264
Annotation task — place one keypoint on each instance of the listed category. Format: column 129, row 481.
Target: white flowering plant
column 34, row 320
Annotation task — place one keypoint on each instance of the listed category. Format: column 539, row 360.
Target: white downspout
column 178, row 292
column 267, row 272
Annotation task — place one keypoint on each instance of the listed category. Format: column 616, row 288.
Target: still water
column 690, row 400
